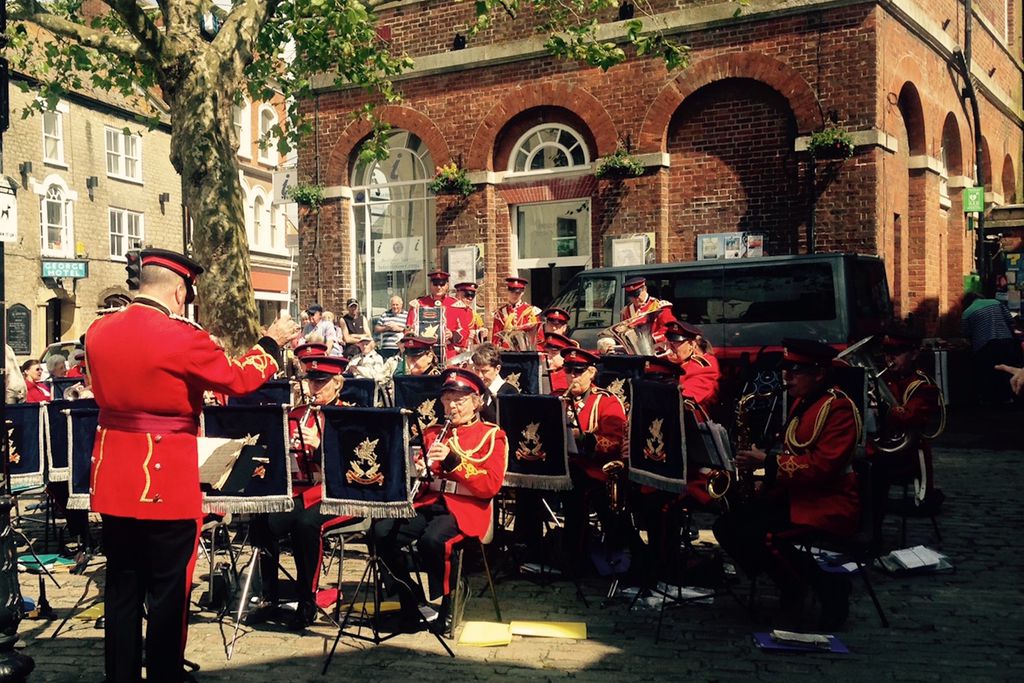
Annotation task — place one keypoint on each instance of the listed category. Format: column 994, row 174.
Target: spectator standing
column 988, row 325
column 390, row 326
column 354, row 328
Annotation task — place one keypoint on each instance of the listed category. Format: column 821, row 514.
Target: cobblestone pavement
column 963, row 626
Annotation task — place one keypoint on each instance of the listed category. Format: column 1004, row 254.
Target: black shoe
column 305, row 616
column 834, row 595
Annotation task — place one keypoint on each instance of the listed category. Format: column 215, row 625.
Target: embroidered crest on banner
column 655, row 448
column 12, row 448
column 364, row 468
column 513, row 380
column 530, row 446
column 429, row 331
column 426, row 412
column 617, row 388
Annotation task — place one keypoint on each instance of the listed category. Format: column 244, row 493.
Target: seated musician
column 918, row 415
column 304, row 524
column 554, row 344
column 810, row 487
column 466, row 460
column 487, row 363
column 640, row 303
column 419, row 356
column 598, row 422
column 694, row 354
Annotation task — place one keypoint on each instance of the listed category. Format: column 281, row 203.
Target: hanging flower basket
column 619, row 164
column 831, row 143
column 450, row 179
column 311, row 196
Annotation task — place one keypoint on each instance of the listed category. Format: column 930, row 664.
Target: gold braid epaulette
column 819, row 421
column 468, row 454
column 182, row 319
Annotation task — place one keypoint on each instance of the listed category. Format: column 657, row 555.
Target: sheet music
column 217, row 457
column 918, row 557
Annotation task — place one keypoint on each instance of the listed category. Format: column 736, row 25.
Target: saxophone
column 744, row 437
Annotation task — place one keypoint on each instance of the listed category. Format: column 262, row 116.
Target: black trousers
column 305, row 527
column 435, row 531
column 754, row 536
column 148, row 561
column 586, row 494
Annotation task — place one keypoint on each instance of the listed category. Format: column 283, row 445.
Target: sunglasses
column 632, row 295
column 575, row 369
column 439, row 283
column 468, row 294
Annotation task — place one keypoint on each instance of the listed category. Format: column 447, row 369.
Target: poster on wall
column 462, row 264
column 730, row 245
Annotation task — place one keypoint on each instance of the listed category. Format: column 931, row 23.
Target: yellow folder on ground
column 385, row 606
column 576, row 630
column 485, row 634
column 93, row 612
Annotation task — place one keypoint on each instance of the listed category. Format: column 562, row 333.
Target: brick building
column 723, row 143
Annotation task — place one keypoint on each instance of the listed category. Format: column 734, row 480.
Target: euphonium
column 879, row 400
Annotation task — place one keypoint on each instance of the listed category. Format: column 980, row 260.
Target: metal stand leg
column 243, row 600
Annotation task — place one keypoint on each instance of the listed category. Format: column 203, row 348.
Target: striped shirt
column 986, row 320
column 389, row 340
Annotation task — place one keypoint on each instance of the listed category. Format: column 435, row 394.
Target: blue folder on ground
column 765, row 641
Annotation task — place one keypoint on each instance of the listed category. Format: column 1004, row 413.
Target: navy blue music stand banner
column 26, row 438
column 537, row 438
column 273, row 392
column 365, row 463
column 360, row 391
column 422, row 395
column 81, row 425
column 522, row 369
column 58, row 466
column 270, row 488
column 58, row 385
column 657, row 447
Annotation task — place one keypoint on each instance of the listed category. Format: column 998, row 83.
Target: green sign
column 65, row 268
column 974, row 199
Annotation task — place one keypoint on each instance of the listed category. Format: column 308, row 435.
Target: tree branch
column 128, row 48
column 138, row 24
column 241, row 29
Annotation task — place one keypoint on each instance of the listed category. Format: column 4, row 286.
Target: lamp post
column 14, row 666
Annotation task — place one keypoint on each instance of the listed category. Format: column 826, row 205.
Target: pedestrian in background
column 354, row 327
column 390, row 326
column 988, row 325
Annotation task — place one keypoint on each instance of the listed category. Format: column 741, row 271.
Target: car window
column 779, row 293
column 597, row 303
column 870, row 305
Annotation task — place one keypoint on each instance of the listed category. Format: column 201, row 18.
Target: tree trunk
column 203, row 150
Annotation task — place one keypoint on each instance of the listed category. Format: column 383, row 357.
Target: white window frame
column 548, row 171
column 69, row 197
column 268, row 146
column 126, row 236
column 260, row 215
column 121, row 156
column 243, row 128
column 57, row 115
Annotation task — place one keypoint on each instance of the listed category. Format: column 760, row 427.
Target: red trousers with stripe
column 149, row 561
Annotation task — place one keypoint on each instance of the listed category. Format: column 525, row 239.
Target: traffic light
column 133, row 268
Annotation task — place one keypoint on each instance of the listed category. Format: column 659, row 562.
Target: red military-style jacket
column 920, row 402
column 652, row 305
column 37, row 392
column 602, row 417
column 475, row 469
column 458, row 320
column 149, row 371
column 700, row 382
column 814, row 467
column 522, row 316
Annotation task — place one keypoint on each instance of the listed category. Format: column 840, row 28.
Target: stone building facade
column 723, row 143
column 91, row 183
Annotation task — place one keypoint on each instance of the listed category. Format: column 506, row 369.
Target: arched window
column 395, row 221
column 268, row 142
column 259, row 222
column 549, row 147
column 241, row 119
column 56, row 231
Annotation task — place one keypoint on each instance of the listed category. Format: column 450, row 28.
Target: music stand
column 366, row 464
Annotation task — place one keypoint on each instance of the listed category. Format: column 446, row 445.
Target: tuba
column 634, row 334
column 880, row 399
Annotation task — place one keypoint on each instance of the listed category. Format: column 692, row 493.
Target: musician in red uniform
column 515, row 316
column 693, row 353
column 554, row 344
column 810, row 486
column 641, row 303
column 149, row 369
column 598, row 423
column 555, row 320
column 919, row 415
column 465, row 293
column 467, row 460
column 304, row 524
column 458, row 318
